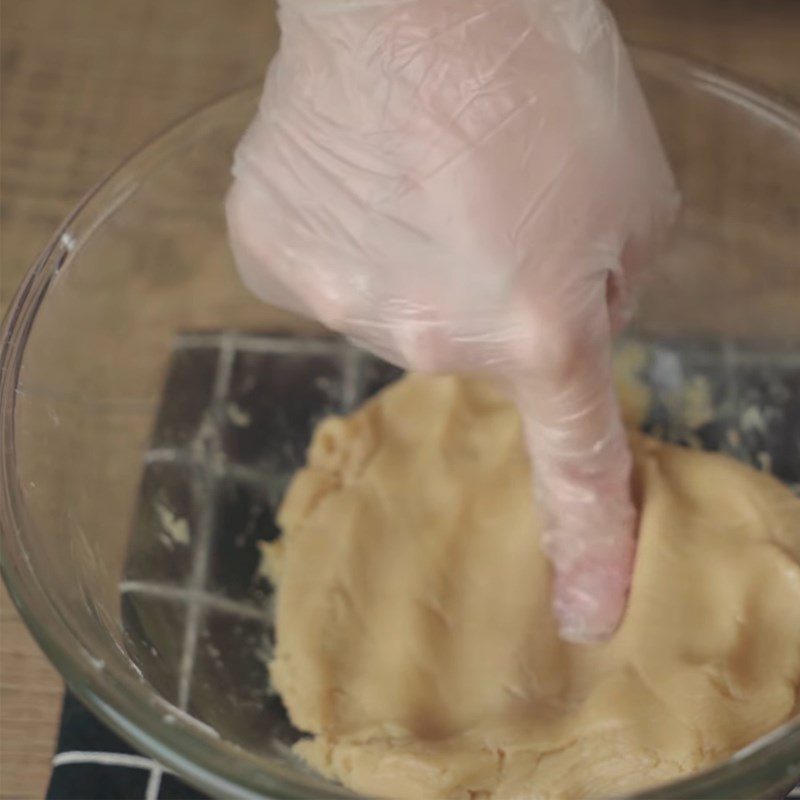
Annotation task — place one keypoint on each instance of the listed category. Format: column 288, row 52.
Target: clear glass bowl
column 152, row 411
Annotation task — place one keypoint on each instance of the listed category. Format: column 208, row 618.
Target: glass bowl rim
column 128, row 706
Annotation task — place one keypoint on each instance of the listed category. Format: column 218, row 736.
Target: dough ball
column 415, row 643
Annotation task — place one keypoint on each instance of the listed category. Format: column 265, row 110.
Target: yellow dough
column 414, row 635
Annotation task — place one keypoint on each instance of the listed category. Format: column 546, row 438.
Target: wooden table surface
column 85, row 81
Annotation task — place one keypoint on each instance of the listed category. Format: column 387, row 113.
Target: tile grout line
column 194, row 609
column 352, row 378
column 287, row 346
column 227, row 353
column 199, row 575
column 103, row 758
column 189, row 458
column 202, row 597
column 257, row 343
column 154, row 782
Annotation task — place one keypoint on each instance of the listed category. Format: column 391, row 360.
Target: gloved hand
column 471, row 185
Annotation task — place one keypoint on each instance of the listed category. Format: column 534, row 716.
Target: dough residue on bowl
column 415, row 643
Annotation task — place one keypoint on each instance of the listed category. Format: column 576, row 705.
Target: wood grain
column 30, row 696
column 85, row 81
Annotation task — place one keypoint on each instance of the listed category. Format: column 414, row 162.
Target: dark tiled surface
column 244, row 515
column 282, row 396
column 249, row 715
column 172, row 499
column 153, row 638
column 377, row 375
column 97, row 782
column 234, row 424
column 187, row 394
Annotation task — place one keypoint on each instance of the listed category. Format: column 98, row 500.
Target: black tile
column 186, row 396
column 97, row 782
column 245, row 515
column 230, row 684
column 274, row 402
column 378, row 375
column 154, row 631
column 82, row 731
column 173, row 499
column 174, row 789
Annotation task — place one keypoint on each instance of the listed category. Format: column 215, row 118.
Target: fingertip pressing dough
column 415, row 642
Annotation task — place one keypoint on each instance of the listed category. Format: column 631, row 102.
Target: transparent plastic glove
column 471, row 185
